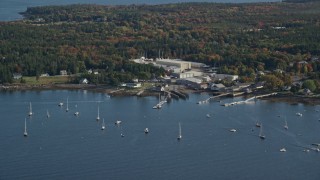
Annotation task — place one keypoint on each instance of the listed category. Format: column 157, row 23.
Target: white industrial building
column 224, row 76
column 187, row 74
column 183, row 65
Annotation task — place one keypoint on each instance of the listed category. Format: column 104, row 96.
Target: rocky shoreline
column 114, row 91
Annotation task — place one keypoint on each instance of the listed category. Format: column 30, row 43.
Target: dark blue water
column 9, row 9
column 69, row 147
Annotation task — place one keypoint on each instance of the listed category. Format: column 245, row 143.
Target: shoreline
column 115, row 91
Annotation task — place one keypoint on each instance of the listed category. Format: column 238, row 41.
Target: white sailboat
column 261, row 135
column 98, row 117
column 103, row 125
column 258, row 124
column 146, row 130
column 285, row 125
column 67, row 105
column 30, row 110
column 122, row 135
column 48, row 115
column 118, row 122
column 283, row 150
column 180, row 135
column 77, row 112
column 25, row 128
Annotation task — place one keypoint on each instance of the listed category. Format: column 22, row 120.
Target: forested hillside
column 240, row 38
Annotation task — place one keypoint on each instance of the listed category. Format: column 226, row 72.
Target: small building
column 224, row 77
column 135, row 80
column 84, row 81
column 192, row 83
column 44, row 75
column 217, row 87
column 134, row 85
column 17, row 75
column 63, row 73
column 206, row 79
column 95, row 72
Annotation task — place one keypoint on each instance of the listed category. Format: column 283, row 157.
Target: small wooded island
column 273, row 46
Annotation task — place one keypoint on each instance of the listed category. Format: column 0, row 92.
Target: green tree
column 309, row 84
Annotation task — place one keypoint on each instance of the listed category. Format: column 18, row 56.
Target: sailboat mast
column 179, row 129
column 67, row 104
column 25, row 125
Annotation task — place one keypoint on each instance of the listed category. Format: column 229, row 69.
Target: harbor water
column 66, row 146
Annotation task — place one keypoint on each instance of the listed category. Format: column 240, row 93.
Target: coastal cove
column 66, row 146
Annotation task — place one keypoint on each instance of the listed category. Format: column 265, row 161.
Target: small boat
column 316, row 149
column 233, row 130
column 208, row 115
column 299, row 114
column 283, row 150
column 286, row 125
column 98, row 117
column 60, row 104
column 306, row 150
column 146, row 130
column 118, row 122
column 77, row 112
column 48, row 115
column 103, row 125
column 258, row 124
column 180, row 134
column 261, row 135
column 158, row 106
column 25, row 133
column 30, row 110
column 122, row 135
column 67, row 105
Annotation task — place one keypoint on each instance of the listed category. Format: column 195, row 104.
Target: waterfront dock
column 212, row 97
column 250, row 99
column 159, row 105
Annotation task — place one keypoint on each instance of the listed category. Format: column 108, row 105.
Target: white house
column 84, row 81
column 63, row 72
column 17, row 75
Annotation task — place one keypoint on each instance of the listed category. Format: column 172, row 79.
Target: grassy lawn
column 45, row 80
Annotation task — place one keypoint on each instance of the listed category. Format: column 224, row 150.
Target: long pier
column 159, row 105
column 247, row 100
column 212, row 97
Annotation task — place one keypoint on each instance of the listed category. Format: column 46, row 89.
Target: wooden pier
column 247, row 100
column 212, row 97
column 159, row 105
